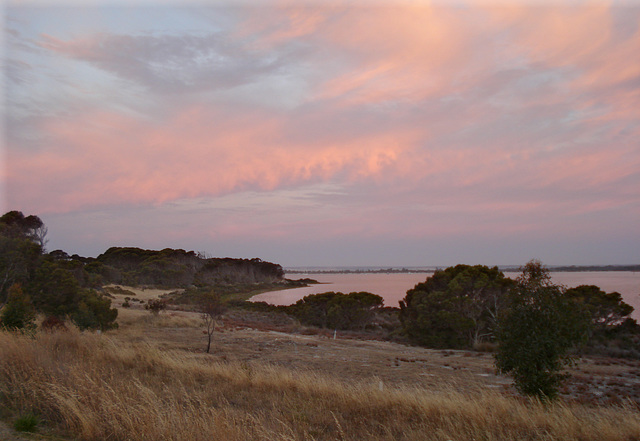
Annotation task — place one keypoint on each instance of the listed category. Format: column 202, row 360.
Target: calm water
column 393, row 287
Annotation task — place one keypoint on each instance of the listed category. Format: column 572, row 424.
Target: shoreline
column 430, row 270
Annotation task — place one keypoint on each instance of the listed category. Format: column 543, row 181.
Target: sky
column 333, row 133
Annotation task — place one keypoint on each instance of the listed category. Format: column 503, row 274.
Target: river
column 392, row 287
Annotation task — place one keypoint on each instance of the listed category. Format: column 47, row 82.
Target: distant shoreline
column 404, row 270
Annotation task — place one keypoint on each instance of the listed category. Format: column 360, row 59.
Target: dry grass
column 98, row 387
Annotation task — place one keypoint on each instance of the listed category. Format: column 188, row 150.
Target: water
column 393, row 287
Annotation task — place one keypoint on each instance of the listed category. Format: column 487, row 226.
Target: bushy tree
column 537, row 332
column 21, row 246
column 53, row 283
column 15, row 224
column 606, row 310
column 313, row 309
column 55, row 291
column 94, row 312
column 454, row 308
column 18, row 312
column 336, row 310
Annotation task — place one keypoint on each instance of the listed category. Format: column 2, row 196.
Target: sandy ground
column 245, row 339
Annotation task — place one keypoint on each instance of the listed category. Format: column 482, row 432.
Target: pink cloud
column 482, row 163
column 105, row 158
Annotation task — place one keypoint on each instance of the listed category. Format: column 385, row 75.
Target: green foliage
column 94, row 312
column 18, row 313
column 606, row 310
column 52, row 282
column 537, row 332
column 55, row 291
column 337, row 310
column 76, row 266
column 15, row 224
column 613, row 331
column 21, row 242
column 454, row 308
column 176, row 268
column 26, row 423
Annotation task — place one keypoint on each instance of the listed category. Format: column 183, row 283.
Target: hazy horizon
column 391, row 133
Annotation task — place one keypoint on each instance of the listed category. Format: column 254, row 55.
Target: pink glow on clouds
column 107, row 158
column 427, row 120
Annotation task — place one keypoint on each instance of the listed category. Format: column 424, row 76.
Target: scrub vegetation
column 147, row 374
column 94, row 387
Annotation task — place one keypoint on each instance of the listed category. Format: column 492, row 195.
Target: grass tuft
column 26, row 423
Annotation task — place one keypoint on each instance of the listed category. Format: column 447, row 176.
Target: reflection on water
column 393, row 287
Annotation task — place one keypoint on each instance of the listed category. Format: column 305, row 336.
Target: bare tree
column 210, row 311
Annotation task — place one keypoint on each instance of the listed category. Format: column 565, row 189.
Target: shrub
column 155, row 306
column 94, row 312
column 335, row 310
column 26, row 423
column 18, row 313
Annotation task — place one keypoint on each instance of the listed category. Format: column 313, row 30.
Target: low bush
column 26, row 423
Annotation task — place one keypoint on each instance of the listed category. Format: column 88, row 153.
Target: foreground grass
column 94, row 388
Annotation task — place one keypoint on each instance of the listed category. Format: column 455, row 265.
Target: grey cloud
column 17, row 71
column 174, row 63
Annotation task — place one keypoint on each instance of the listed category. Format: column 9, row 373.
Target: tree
column 55, row 291
column 94, row 312
column 18, row 313
column 15, row 224
column 536, row 333
column 606, row 310
column 336, row 310
column 313, row 309
column 19, row 258
column 21, row 246
column 454, row 308
column 211, row 310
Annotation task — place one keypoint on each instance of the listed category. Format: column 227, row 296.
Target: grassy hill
column 150, row 379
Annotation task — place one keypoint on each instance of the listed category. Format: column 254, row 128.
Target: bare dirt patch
column 244, row 338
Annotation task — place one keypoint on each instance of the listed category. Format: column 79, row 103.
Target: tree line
column 534, row 325
column 33, row 281
column 62, row 286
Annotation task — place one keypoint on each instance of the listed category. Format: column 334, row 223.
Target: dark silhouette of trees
column 21, row 247
column 335, row 310
column 606, row 310
column 53, row 284
column 456, row 307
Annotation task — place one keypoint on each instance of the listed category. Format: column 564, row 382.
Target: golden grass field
column 150, row 380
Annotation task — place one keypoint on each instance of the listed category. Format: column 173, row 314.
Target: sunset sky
column 328, row 133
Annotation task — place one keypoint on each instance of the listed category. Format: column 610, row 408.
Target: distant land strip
column 404, row 270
